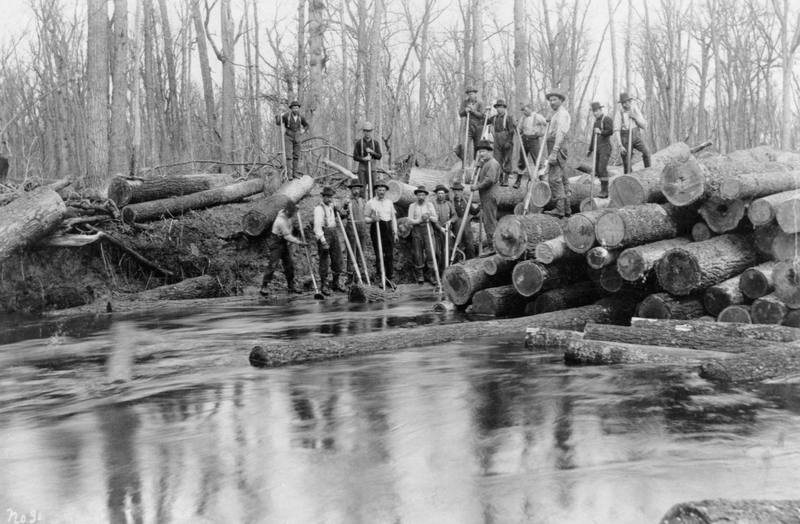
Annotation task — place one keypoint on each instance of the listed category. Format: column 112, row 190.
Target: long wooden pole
column 527, row 205
column 360, row 250
column 349, row 248
column 464, row 163
column 283, row 149
column 447, row 246
column 378, row 235
column 433, row 257
column 594, row 171
column 525, row 157
column 317, row 294
column 630, row 141
column 464, row 221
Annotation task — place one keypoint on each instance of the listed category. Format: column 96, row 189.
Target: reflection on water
column 160, row 419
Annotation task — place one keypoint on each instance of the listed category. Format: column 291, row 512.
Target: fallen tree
column 717, row 329
column 259, row 221
column 29, row 218
column 130, row 190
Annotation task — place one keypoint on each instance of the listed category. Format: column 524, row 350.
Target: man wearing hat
column 602, row 130
column 365, row 151
column 328, row 241
column 629, row 127
column 531, row 128
column 503, row 129
column 447, row 215
column 420, row 213
column 557, row 142
column 472, row 107
column 353, row 210
column 278, row 247
column 467, row 244
column 379, row 213
column 294, row 125
column 486, row 186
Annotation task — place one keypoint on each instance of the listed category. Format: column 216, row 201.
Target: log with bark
column 637, row 225
column 176, row 206
column 780, row 362
column 579, row 230
column 600, row 257
column 700, row 265
column 28, row 218
column 636, row 263
column 608, row 353
column 786, row 279
column 545, row 337
column 530, row 277
column 739, row 314
column 401, row 194
column 764, row 237
column 612, row 281
column 757, row 185
column 580, row 189
column 498, row 301
column 259, row 221
column 768, row 309
column 666, row 306
column 757, row 281
column 717, row 329
column 129, row 190
column 722, row 215
column 642, row 187
column 363, row 294
column 518, row 235
column 509, row 198
column 763, row 210
column 726, row 293
column 272, row 354
column 555, row 250
column 430, row 178
column 701, row 232
column 589, row 204
column 462, row 281
column 495, row 264
column 573, row 295
column 723, row 511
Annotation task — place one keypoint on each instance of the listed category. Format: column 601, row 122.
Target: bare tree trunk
column 520, row 55
column 468, row 45
column 348, row 115
column 97, row 82
column 718, row 65
column 228, row 81
column 173, row 122
column 614, row 68
column 136, row 92
column 477, row 51
column 257, row 64
column 119, row 138
column 301, row 49
column 628, row 57
column 789, row 44
column 316, row 40
column 422, row 132
column 208, row 86
column 373, row 71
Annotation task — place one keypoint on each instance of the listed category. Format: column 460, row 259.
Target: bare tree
column 97, row 84
column 316, row 41
column 208, row 85
column 789, row 43
column 119, row 99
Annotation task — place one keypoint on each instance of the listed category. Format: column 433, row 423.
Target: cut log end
column 541, row 194
column 788, row 216
column 664, row 306
column 683, row 183
column 730, row 188
column 701, row 232
column 678, row 272
column 528, row 278
column 579, row 233
column 626, row 190
column 754, row 284
column 760, row 211
column 254, row 223
column 768, row 310
column 600, row 257
column 738, row 314
column 786, row 278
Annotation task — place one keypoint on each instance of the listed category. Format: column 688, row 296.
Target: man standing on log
column 531, row 128
column 420, row 213
column 467, row 244
column 379, row 213
column 557, row 144
column 487, row 189
column 365, row 151
column 278, row 246
column 624, row 122
column 603, row 128
column 446, row 213
column 503, row 128
column 330, row 251
column 353, row 208
column 472, row 108
column 294, row 126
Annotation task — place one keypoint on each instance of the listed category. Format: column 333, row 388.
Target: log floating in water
column 364, row 294
column 517, row 235
column 555, row 250
column 540, row 337
column 758, row 185
column 498, row 301
column 786, row 279
column 723, row 215
column 739, row 314
column 573, row 295
column 259, row 221
column 462, row 281
column 600, row 257
column 606, row 353
column 633, row 226
column 726, row 293
column 732, row 511
column 700, row 265
column 711, row 329
column 636, row 263
column 579, row 230
column 666, row 306
column 757, row 281
column 126, row 190
column 29, row 218
column 444, row 306
column 768, row 310
column 763, row 210
column 530, row 277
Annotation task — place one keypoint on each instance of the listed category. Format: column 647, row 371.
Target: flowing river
column 158, row 417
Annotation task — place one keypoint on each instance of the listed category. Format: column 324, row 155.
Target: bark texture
column 717, row 329
column 29, row 218
column 633, row 226
column 579, row 230
column 636, row 263
column 498, row 301
column 574, row 295
column 517, row 235
column 125, row 190
column 763, row 210
column 666, row 306
column 555, row 250
column 726, row 293
column 462, row 281
column 530, row 278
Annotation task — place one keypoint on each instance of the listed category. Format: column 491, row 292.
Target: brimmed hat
column 596, row 106
column 470, row 89
column 500, row 102
column 294, row 103
column 380, row 183
column 441, row 187
column 355, row 183
column 458, row 185
column 328, row 191
column 624, row 97
column 483, row 144
column 555, row 92
column 421, row 189
column 367, row 126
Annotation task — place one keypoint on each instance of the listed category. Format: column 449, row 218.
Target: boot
column 558, row 212
column 519, row 181
column 291, row 290
column 418, row 276
column 504, row 180
column 264, row 291
column 326, row 290
column 335, row 284
column 603, row 189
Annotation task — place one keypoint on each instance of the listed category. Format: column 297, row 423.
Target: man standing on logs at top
column 486, row 186
column 603, row 128
column 503, row 128
column 365, row 150
column 624, row 122
column 294, row 126
column 446, row 213
column 467, row 244
column 379, row 213
column 278, row 247
column 420, row 213
column 328, row 246
column 557, row 147
column 353, row 209
column 472, row 108
column 531, row 128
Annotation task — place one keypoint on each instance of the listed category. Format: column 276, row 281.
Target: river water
column 157, row 417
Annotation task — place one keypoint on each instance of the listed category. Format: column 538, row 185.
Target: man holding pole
column 601, row 132
column 487, row 188
column 278, row 246
column 293, row 126
column 366, row 150
column 353, row 208
column 467, row 243
column 472, row 109
column 420, row 213
column 328, row 246
column 446, row 213
column 504, row 128
column 379, row 213
column 557, row 146
column 532, row 127
column 628, row 136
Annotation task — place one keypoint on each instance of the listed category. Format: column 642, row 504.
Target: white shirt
column 323, row 217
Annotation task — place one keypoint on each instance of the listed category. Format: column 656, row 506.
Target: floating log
column 608, row 353
column 28, row 218
column 763, row 210
column 176, row 206
column 636, row 263
column 555, row 250
column 633, row 226
column 498, row 264
column 701, row 232
column 204, row 286
column 462, row 281
column 642, row 187
column 785, row 246
column 700, row 265
column 530, row 277
column 739, row 314
column 773, row 364
column 498, row 301
column 259, row 221
column 272, row 354
column 786, row 278
column 579, row 230
column 517, row 235
column 768, row 309
column 729, row 511
column 726, row 293
column 723, row 215
column 666, row 306
column 128, row 190
column 364, row 294
column 717, row 329
column 600, row 257
column 757, row 281
column 545, row 337
column 655, row 336
column 401, row 194
column 599, row 203
column 788, row 215
column 573, row 295
column 757, row 185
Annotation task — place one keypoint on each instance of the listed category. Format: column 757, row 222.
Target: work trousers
column 636, row 143
column 474, row 135
column 330, row 259
column 351, row 237
column 292, row 145
column 422, row 248
column 530, row 146
column 467, row 243
column 557, row 174
column 503, row 150
column 363, row 177
column 601, row 166
column 489, row 213
column 387, row 242
column 279, row 252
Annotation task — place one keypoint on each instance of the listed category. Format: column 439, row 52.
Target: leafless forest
column 119, row 86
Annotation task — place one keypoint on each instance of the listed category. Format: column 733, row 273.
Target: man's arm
column 303, row 123
column 490, row 176
column 606, row 126
column 413, row 214
column 638, row 118
column 376, row 151
column 319, row 217
column 561, row 123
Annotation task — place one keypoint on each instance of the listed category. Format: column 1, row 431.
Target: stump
column 573, row 295
column 462, row 281
column 600, row 257
column 530, row 277
column 29, row 218
column 757, row 281
column 517, row 235
column 498, row 301
column 726, row 293
column 555, row 250
column 786, row 279
column 633, row 226
column 763, row 210
column 768, row 309
column 722, row 215
column 639, row 262
column 666, row 306
column 579, row 230
column 125, row 190
column 739, row 314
